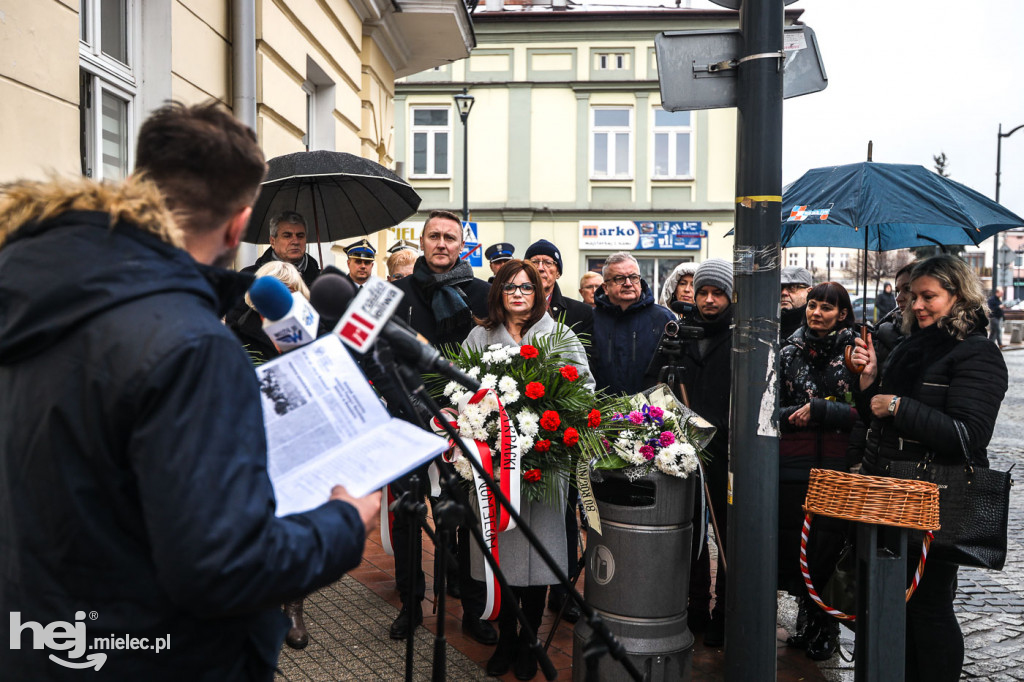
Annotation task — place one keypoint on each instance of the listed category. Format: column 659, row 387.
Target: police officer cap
column 502, row 251
column 403, row 244
column 361, row 250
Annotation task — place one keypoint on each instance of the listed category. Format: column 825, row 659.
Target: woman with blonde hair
column 938, row 394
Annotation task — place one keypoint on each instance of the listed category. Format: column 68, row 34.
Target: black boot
column 825, row 642
column 800, row 635
column 408, row 619
column 500, row 661
column 526, row 662
column 297, row 637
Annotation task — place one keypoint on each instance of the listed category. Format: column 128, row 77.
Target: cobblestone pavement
column 989, row 604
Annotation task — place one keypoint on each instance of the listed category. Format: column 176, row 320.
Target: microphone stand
column 595, row 649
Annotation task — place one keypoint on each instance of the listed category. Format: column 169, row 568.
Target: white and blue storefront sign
column 644, row 235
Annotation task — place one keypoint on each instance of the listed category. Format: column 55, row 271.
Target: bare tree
column 882, row 265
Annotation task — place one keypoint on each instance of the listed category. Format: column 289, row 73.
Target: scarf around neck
column 447, row 300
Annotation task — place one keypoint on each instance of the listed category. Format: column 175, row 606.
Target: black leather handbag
column 974, row 507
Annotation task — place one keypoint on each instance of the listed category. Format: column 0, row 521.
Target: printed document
column 326, row 426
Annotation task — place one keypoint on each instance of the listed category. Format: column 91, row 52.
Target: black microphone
column 332, row 294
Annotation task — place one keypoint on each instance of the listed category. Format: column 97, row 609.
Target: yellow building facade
column 567, row 140
column 77, row 77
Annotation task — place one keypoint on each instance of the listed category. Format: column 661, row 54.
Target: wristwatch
column 892, row 405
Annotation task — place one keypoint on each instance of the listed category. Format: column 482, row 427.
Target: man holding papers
column 133, row 463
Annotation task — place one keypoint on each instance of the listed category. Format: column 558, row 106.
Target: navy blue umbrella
column 882, row 207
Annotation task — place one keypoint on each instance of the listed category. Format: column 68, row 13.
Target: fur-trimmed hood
column 135, row 201
column 72, row 249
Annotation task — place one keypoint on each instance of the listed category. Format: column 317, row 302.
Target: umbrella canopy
column 900, row 206
column 340, row 195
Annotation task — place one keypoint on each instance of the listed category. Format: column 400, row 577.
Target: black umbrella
column 343, row 195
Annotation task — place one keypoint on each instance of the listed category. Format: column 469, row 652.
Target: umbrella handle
column 848, row 354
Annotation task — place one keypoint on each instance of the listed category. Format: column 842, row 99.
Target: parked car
column 859, row 314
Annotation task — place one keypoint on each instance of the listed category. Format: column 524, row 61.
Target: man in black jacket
column 796, row 283
column 133, row 460
column 440, row 298
column 707, row 376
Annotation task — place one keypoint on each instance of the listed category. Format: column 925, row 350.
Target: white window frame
column 104, row 73
column 431, row 132
column 611, row 132
column 792, row 259
column 673, row 132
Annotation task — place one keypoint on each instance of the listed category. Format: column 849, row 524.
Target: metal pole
column 995, row 237
column 754, row 448
column 465, row 168
column 999, row 163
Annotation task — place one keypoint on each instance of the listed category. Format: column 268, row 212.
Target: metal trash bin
column 638, row 575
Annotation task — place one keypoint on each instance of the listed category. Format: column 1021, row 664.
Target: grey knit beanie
column 716, row 272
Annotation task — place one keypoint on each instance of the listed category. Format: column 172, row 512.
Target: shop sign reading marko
column 643, row 235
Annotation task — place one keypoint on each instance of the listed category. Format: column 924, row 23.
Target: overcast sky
column 918, row 77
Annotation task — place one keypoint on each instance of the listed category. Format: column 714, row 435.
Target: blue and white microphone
column 288, row 318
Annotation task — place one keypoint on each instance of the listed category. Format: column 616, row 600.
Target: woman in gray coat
column 517, row 315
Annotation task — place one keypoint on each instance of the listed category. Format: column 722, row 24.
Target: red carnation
column 569, row 373
column 550, row 420
column 571, row 437
column 529, row 352
column 534, row 389
column 532, row 474
column 542, row 445
column 594, row 419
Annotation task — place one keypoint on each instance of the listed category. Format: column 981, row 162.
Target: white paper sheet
column 326, row 426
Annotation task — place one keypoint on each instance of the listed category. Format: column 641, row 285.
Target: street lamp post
column 999, row 162
column 464, row 103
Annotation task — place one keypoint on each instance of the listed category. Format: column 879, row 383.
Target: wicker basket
column 873, row 499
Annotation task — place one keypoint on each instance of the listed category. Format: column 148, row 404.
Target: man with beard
column 707, row 376
column 133, row 460
column 796, row 282
column 441, row 296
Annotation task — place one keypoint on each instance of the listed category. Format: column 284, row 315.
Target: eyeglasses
column 526, row 288
column 620, row 280
column 544, row 263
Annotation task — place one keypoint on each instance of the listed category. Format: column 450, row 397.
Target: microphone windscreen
column 270, row 297
column 330, row 296
column 681, row 307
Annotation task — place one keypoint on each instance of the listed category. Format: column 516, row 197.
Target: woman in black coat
column 816, row 415
column 939, row 392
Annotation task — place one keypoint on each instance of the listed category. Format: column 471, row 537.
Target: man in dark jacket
column 796, row 283
column 439, row 301
column 133, row 462
column 707, row 375
column 576, row 315
column 628, row 325
column 288, row 244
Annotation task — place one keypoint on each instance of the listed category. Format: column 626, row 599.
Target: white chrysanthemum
column 488, row 404
column 451, row 388
column 487, row 357
column 510, row 398
column 506, row 385
column 489, row 381
column 473, row 372
column 528, row 423
column 495, row 346
column 463, row 468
